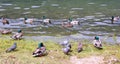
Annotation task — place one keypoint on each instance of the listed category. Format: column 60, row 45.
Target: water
column 93, row 15
column 86, row 30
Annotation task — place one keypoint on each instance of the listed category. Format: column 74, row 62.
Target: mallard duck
column 114, row 19
column 28, row 21
column 97, row 43
column 5, row 21
column 17, row 35
column 40, row 51
column 46, row 20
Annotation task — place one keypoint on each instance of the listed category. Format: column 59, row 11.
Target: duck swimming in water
column 6, row 31
column 46, row 20
column 4, row 21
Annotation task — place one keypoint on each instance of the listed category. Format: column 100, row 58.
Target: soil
column 93, row 60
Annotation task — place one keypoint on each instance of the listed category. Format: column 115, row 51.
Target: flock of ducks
column 66, row 23
column 66, row 47
column 41, row 49
column 69, row 23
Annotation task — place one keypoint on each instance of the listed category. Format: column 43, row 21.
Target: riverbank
column 23, row 53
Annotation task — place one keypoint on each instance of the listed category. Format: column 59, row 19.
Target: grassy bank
column 23, row 53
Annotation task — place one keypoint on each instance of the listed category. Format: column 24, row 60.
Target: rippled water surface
column 94, row 16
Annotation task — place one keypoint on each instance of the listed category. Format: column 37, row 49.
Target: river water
column 94, row 17
column 89, row 27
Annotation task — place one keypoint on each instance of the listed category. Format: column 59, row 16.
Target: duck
column 67, row 25
column 6, row 31
column 28, row 21
column 40, row 51
column 18, row 35
column 46, row 20
column 114, row 19
column 4, row 20
column 97, row 43
column 73, row 22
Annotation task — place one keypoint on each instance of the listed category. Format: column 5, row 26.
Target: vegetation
column 23, row 53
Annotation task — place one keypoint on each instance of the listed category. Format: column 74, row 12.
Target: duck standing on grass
column 40, row 51
column 17, row 35
column 80, row 47
column 97, row 43
column 12, row 48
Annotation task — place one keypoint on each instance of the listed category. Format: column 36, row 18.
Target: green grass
column 23, row 53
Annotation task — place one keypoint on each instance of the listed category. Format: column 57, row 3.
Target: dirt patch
column 94, row 60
